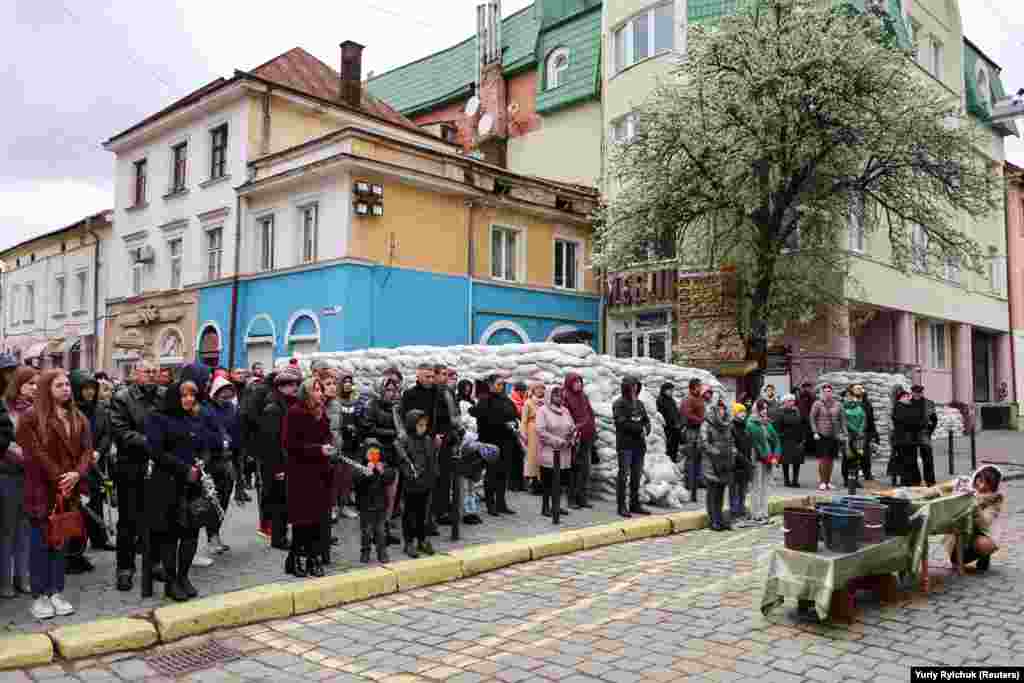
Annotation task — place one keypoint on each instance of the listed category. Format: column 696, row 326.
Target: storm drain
column 185, row 661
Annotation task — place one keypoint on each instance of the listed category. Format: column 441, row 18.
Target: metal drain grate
column 185, row 661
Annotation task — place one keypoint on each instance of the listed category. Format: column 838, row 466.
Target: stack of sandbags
column 950, row 420
column 549, row 364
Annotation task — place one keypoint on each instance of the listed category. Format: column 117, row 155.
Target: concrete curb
column 279, row 601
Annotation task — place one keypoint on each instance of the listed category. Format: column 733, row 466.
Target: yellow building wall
column 567, row 147
column 290, row 125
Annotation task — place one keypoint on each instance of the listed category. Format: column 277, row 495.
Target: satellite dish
column 513, row 108
column 472, row 106
column 485, row 125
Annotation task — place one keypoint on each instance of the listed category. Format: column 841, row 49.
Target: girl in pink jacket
column 556, row 431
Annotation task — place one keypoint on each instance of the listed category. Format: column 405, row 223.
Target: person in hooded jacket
column 719, row 448
column 85, row 389
column 632, row 426
column 270, row 453
column 346, row 415
column 430, row 396
column 250, row 410
column 419, row 470
column 179, row 436
column 556, row 432
column 223, row 410
column 497, row 421
column 906, row 429
column 792, row 430
column 129, row 409
column 669, row 410
column 582, row 414
column 383, row 424
column 691, row 413
column 307, row 440
column 744, row 466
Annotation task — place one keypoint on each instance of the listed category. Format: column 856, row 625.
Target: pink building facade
column 1015, row 269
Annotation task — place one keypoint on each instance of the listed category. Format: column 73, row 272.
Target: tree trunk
column 757, row 341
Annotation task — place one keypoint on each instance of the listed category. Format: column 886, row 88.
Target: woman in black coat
column 179, row 440
column 906, row 434
column 792, row 428
column 497, row 423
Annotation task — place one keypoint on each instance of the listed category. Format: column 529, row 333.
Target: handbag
column 198, row 512
column 63, row 525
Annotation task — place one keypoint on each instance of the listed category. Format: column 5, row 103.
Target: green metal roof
column 582, row 37
column 698, row 11
column 447, row 75
column 553, row 12
column 978, row 103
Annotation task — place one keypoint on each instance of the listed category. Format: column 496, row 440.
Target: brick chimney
column 351, row 91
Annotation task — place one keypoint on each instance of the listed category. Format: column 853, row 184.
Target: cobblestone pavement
column 251, row 562
column 678, row 608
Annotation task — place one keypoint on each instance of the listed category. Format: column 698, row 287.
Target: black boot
column 392, row 539
column 175, row 591
column 289, row 563
column 489, row 500
column 301, row 568
column 314, row 567
column 410, row 549
column 620, row 495
column 187, row 553
column 364, row 555
column 545, row 504
column 382, row 554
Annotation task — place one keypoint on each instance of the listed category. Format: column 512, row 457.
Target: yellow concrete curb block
column 645, row 527
column 602, row 535
column 426, row 571
column 354, row 586
column 484, row 558
column 103, row 637
column 22, row 650
column 273, row 601
column 687, row 521
column 548, row 545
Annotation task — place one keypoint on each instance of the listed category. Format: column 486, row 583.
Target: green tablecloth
column 813, row 576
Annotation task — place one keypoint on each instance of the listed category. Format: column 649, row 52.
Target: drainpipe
column 469, row 269
column 234, row 283
column 95, row 294
column 1010, row 289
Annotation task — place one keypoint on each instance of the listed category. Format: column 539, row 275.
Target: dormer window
column 558, row 65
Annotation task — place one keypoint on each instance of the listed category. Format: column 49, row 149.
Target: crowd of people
column 171, row 452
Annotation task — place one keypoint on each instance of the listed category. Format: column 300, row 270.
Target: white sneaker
column 349, row 512
column 61, row 606
column 42, row 608
column 823, row 487
column 202, row 561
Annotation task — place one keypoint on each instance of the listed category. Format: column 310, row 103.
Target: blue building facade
column 352, row 305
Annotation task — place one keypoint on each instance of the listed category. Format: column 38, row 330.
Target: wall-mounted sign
column 330, row 310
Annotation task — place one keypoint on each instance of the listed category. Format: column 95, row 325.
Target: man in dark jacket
column 85, row 389
column 925, row 409
column 225, row 463
column 128, row 412
column 426, row 397
column 691, row 412
column 269, row 453
column 632, row 425
column 673, row 420
column 496, row 419
column 250, row 409
column 578, row 405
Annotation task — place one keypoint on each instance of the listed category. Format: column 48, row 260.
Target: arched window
column 504, row 332
column 558, row 64
column 171, row 347
column 303, row 334
column 984, row 91
column 260, row 341
column 209, row 346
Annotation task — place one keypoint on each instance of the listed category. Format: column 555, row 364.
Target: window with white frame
column 175, row 251
column 856, row 227
column 624, row 128
column 919, row 249
column 646, row 335
column 505, row 245
column 214, row 252
column 30, row 303
column 82, row 279
column 936, row 60
column 567, row 253
column 997, row 272
column 310, row 217
column 60, row 294
column 12, row 304
column 644, row 35
column 265, row 239
column 557, row 66
column 137, row 278
column 937, row 345
column 179, row 167
column 951, row 266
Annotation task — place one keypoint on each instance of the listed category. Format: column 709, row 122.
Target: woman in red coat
column 307, row 442
column 57, row 445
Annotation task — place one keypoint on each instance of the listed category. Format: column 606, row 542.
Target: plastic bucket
column 897, row 522
column 800, row 526
column 843, row 529
column 821, row 509
column 874, row 520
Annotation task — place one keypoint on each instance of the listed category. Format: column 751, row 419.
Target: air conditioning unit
column 143, row 254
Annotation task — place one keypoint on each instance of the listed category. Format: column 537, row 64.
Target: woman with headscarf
column 528, row 431
column 497, row 419
column 719, row 447
column 555, row 432
column 18, row 387
column 906, row 425
column 307, row 442
column 57, row 445
column 179, row 438
column 791, row 427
